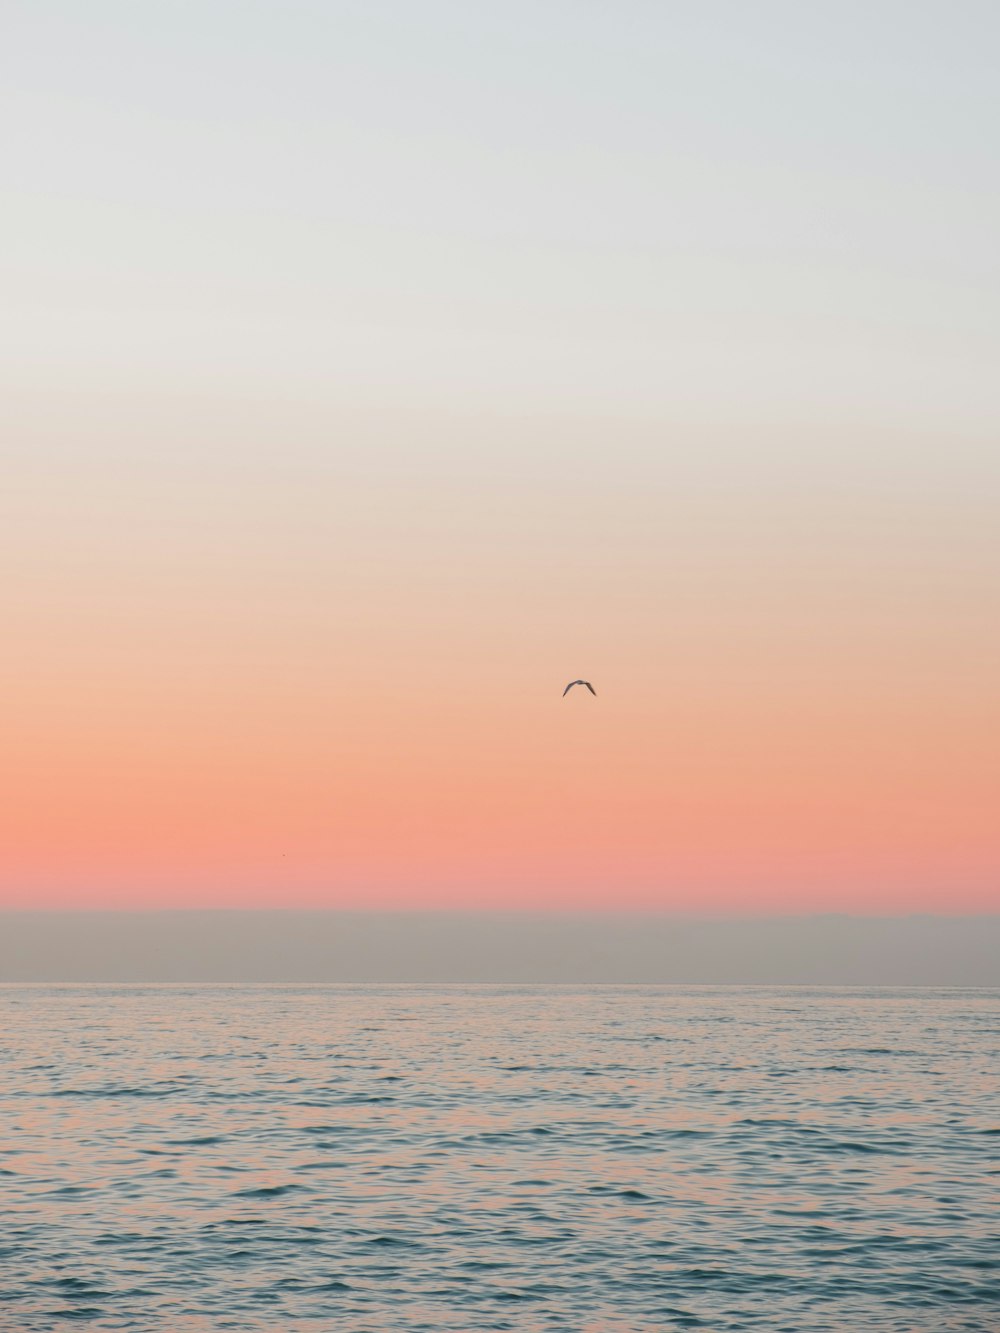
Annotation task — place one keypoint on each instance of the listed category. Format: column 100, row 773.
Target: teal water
column 462, row 1158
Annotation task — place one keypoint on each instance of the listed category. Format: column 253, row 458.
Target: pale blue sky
column 726, row 212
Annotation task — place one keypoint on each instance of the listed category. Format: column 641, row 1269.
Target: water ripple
column 451, row 1158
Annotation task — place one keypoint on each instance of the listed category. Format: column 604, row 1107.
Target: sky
column 283, row 947
column 371, row 370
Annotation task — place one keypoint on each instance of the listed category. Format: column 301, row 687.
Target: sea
column 598, row 1159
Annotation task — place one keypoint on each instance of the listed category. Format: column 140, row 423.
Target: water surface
column 462, row 1158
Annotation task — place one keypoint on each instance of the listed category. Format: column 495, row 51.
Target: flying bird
column 579, row 682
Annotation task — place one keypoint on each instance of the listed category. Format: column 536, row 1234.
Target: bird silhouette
column 579, row 682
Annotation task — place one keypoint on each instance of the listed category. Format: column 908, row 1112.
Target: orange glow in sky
column 304, row 684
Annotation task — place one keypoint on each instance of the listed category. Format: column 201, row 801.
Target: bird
column 579, row 682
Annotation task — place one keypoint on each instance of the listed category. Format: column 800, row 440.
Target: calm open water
column 376, row 1158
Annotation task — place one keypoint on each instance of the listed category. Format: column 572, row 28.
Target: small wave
column 266, row 1191
column 115, row 1092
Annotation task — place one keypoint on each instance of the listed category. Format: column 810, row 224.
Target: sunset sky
column 371, row 370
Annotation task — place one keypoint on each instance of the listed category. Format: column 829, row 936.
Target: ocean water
column 463, row 1158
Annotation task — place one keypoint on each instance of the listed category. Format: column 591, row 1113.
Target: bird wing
column 569, row 687
column 589, row 687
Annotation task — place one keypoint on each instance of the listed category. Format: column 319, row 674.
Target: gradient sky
column 370, row 370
